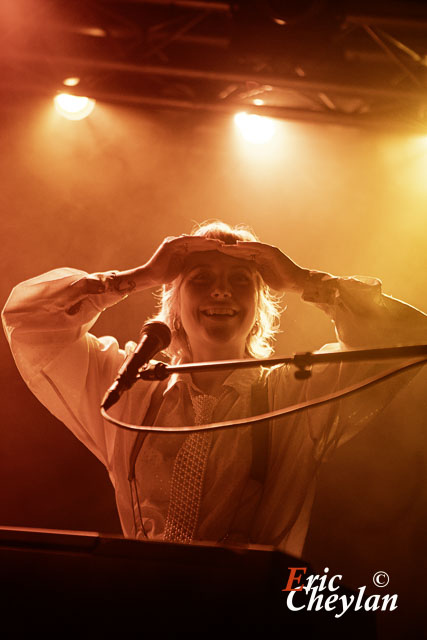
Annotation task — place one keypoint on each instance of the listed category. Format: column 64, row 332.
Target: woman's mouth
column 216, row 312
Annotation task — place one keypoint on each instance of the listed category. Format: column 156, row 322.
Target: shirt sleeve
column 363, row 315
column 364, row 318
column 47, row 322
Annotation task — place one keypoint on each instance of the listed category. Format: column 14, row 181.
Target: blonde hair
column 259, row 343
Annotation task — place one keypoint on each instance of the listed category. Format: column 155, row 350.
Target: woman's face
column 218, row 300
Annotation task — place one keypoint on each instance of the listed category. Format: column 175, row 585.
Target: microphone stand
column 302, row 361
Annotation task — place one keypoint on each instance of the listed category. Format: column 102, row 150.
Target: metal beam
column 362, row 121
column 387, row 21
column 187, row 4
column 392, row 55
column 294, row 84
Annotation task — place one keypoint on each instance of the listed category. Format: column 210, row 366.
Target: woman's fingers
column 275, row 267
column 195, row 243
column 254, row 251
column 168, row 261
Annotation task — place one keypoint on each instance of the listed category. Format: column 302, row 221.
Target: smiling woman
column 220, row 277
column 251, row 484
column 217, row 302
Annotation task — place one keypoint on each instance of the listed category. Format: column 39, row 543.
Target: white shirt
column 69, row 370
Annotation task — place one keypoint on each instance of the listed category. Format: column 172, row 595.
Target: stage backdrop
column 102, row 193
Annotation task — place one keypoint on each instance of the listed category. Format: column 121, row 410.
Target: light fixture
column 73, row 107
column 255, row 129
column 73, row 81
column 96, row 32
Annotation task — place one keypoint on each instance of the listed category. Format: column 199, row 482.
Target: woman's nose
column 218, row 294
column 220, row 290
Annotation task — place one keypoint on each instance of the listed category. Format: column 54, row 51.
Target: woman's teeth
column 219, row 312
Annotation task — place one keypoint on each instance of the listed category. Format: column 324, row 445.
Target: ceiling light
column 95, row 32
column 255, row 129
column 73, row 81
column 73, row 107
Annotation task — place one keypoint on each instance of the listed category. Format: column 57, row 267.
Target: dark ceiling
column 357, row 63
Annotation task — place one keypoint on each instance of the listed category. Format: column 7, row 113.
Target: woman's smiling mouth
column 212, row 311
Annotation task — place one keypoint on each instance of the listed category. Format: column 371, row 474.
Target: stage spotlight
column 255, row 129
column 73, row 107
column 71, row 82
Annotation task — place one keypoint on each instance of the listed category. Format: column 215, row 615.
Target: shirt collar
column 239, row 379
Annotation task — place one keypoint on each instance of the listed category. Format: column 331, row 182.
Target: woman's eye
column 241, row 278
column 206, row 277
column 202, row 276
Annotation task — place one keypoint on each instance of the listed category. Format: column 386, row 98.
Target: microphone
column 155, row 336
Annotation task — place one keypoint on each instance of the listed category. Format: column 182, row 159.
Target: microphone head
column 159, row 331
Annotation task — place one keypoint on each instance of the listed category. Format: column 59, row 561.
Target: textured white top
column 69, row 370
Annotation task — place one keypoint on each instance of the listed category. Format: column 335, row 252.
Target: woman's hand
column 166, row 263
column 277, row 270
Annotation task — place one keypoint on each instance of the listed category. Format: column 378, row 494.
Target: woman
column 242, row 485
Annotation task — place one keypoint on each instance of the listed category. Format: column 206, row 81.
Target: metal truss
column 317, row 63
